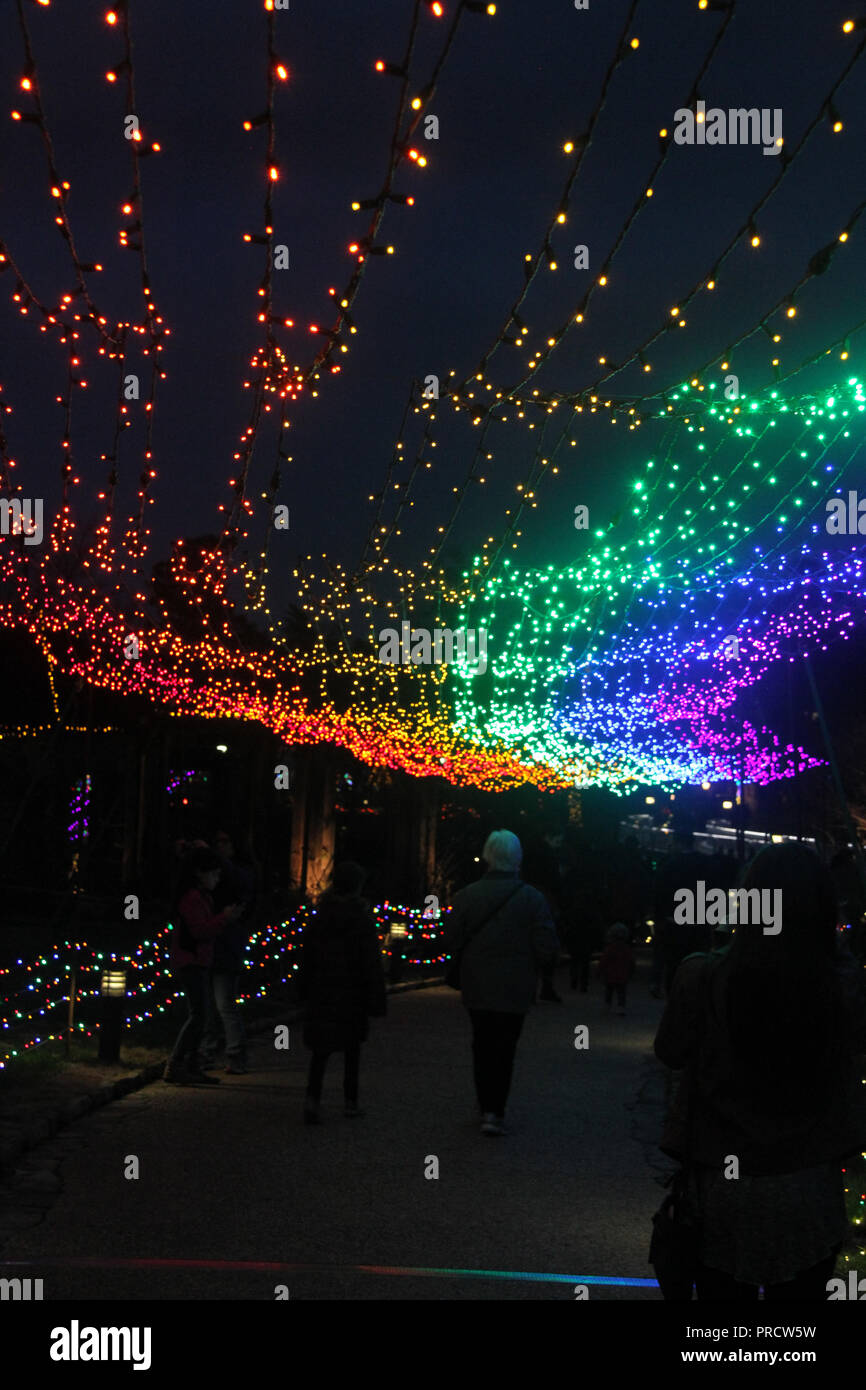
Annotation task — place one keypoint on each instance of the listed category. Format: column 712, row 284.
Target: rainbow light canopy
column 736, row 547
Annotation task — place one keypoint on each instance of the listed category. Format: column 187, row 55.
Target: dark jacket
column 237, row 885
column 500, row 964
column 693, row 1036
column 584, row 925
column 196, row 926
column 341, row 979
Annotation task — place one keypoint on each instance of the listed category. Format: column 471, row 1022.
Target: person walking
column 196, row 926
column 616, row 965
column 504, row 934
column 582, row 937
column 341, row 985
column 547, row 877
column 237, row 884
column 766, row 1032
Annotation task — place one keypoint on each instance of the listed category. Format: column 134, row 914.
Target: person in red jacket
column 616, row 965
column 195, row 927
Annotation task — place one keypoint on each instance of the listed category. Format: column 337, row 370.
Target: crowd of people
column 764, row 1029
column 341, row 980
column 214, row 900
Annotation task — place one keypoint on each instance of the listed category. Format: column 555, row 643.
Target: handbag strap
column 488, row 916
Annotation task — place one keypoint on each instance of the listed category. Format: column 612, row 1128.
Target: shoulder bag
column 452, row 974
column 675, row 1242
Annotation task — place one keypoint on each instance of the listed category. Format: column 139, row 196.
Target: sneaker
column 234, row 1068
column 195, row 1077
column 176, row 1074
column 549, row 998
column 492, row 1124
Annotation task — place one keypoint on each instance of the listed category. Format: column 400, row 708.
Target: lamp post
column 112, row 994
column 399, row 932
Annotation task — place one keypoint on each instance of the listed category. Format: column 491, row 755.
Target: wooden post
column 70, row 1013
column 428, row 832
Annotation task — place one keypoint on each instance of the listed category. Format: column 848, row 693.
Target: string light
column 653, row 612
column 34, row 995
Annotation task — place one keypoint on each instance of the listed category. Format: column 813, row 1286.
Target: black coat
column 694, row 1037
column 342, row 980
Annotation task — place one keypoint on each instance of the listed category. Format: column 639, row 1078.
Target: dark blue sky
column 514, row 88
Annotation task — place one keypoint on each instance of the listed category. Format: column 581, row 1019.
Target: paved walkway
column 236, row 1195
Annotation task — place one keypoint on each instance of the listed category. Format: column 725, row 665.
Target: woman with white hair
column 503, row 933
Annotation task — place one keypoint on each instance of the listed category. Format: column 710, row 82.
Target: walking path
column 235, row 1195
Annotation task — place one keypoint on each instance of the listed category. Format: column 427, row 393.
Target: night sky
column 513, row 89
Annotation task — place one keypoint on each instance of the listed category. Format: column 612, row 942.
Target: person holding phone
column 196, row 926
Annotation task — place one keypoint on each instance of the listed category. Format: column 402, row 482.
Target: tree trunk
column 412, row 809
column 322, row 820
column 300, row 819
